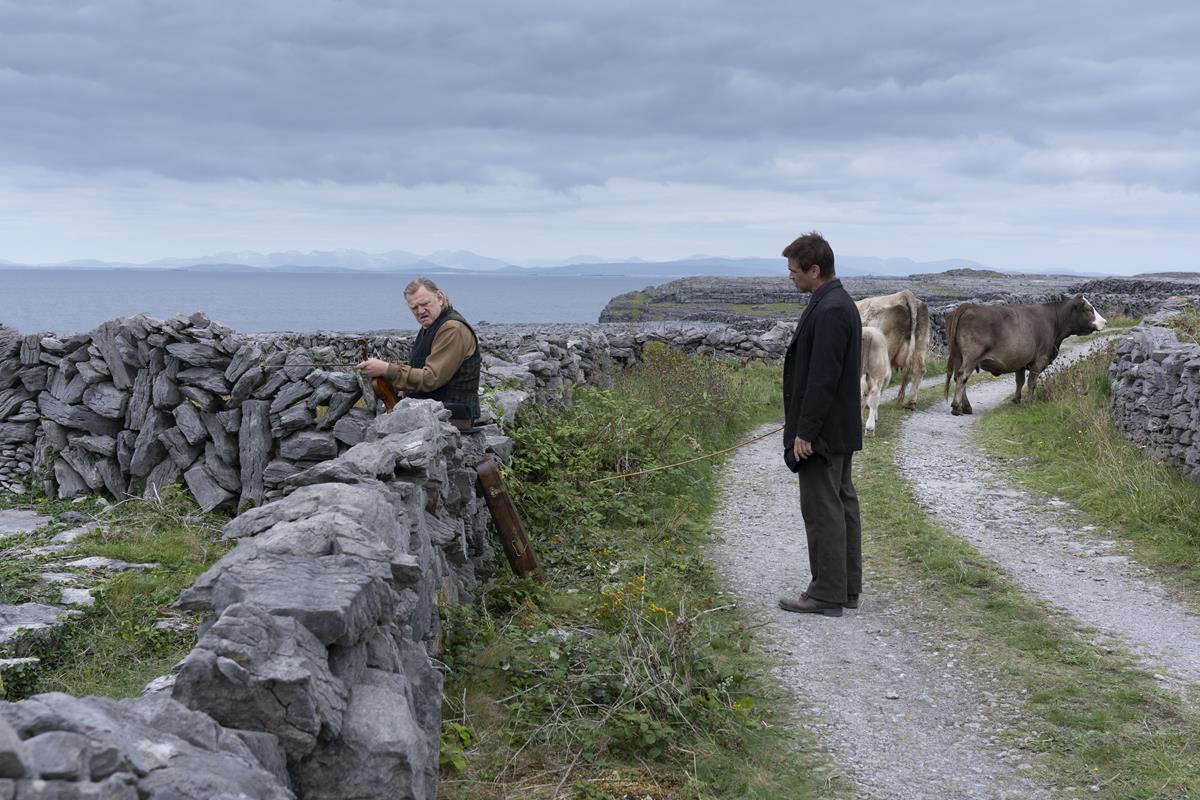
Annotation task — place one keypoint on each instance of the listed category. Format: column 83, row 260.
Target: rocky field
column 757, row 303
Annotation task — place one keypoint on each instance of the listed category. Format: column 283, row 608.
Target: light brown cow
column 904, row 321
column 876, row 372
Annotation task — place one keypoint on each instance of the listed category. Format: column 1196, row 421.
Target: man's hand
column 802, row 449
column 373, row 367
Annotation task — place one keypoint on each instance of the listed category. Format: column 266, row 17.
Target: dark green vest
column 461, row 393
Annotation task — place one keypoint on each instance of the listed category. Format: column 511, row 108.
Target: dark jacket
column 821, row 394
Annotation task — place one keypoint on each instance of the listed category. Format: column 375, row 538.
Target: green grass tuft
column 1187, row 324
column 1066, row 445
column 626, row 673
column 1102, row 724
column 114, row 649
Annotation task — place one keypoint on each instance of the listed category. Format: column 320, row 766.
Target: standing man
column 444, row 362
column 823, row 428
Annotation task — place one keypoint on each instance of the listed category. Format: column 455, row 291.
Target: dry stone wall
column 139, row 403
column 148, row 748
column 1155, row 394
column 312, row 675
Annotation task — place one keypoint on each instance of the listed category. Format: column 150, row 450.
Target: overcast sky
column 1016, row 134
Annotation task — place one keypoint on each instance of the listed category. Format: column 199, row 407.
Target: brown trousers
column 829, row 506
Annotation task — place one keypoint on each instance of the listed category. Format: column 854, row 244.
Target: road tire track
column 1043, row 542
column 901, row 714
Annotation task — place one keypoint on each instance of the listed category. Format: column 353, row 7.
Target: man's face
column 805, row 280
column 425, row 306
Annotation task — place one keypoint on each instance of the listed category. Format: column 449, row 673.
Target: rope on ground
column 688, row 461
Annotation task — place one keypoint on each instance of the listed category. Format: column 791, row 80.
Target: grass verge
column 115, row 648
column 1187, row 324
column 1066, row 445
column 1102, row 725
column 619, row 675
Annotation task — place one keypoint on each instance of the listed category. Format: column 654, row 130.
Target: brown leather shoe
column 810, row 605
column 851, row 600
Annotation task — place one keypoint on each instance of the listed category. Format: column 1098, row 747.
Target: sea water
column 66, row 301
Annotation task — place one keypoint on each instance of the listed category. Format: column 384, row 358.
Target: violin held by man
column 445, row 360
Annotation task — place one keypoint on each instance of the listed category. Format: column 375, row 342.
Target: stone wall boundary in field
column 313, row 674
column 1154, row 381
column 139, row 403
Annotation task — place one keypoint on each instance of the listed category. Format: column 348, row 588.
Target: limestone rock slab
column 187, row 419
column 208, row 493
column 76, row 416
column 199, row 354
column 104, row 339
column 262, row 672
column 246, row 356
column 207, row 378
column 12, row 759
column 18, row 520
column 27, row 616
column 106, row 400
column 254, row 448
column 381, row 752
column 308, row 446
column 334, row 596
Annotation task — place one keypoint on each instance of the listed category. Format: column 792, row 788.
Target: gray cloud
column 358, row 91
column 909, row 101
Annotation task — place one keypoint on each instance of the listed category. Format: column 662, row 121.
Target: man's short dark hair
column 809, row 249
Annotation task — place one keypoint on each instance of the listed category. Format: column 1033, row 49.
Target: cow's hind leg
column 904, row 379
column 910, row 377
column 1016, row 398
column 1033, row 376
column 864, row 388
column 915, row 372
column 960, row 404
column 873, row 402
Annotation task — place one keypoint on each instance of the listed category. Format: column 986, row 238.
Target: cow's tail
column 954, row 356
column 915, row 309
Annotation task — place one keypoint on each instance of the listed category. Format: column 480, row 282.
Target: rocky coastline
column 756, row 304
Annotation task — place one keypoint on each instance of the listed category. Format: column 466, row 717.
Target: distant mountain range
column 464, row 261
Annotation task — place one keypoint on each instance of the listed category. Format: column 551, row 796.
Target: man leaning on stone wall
column 445, row 361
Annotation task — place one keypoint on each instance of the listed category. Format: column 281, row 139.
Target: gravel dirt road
column 901, row 714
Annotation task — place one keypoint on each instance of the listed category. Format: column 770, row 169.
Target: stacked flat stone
column 523, row 363
column 313, row 678
column 326, row 610
column 148, row 748
column 550, row 357
column 19, row 384
column 140, row 403
column 1155, row 394
column 1135, row 297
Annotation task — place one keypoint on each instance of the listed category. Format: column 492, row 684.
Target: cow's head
column 1082, row 317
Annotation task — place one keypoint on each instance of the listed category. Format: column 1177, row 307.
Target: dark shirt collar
column 823, row 290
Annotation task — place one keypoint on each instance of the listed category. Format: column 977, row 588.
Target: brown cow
column 1016, row 338
column 904, row 321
